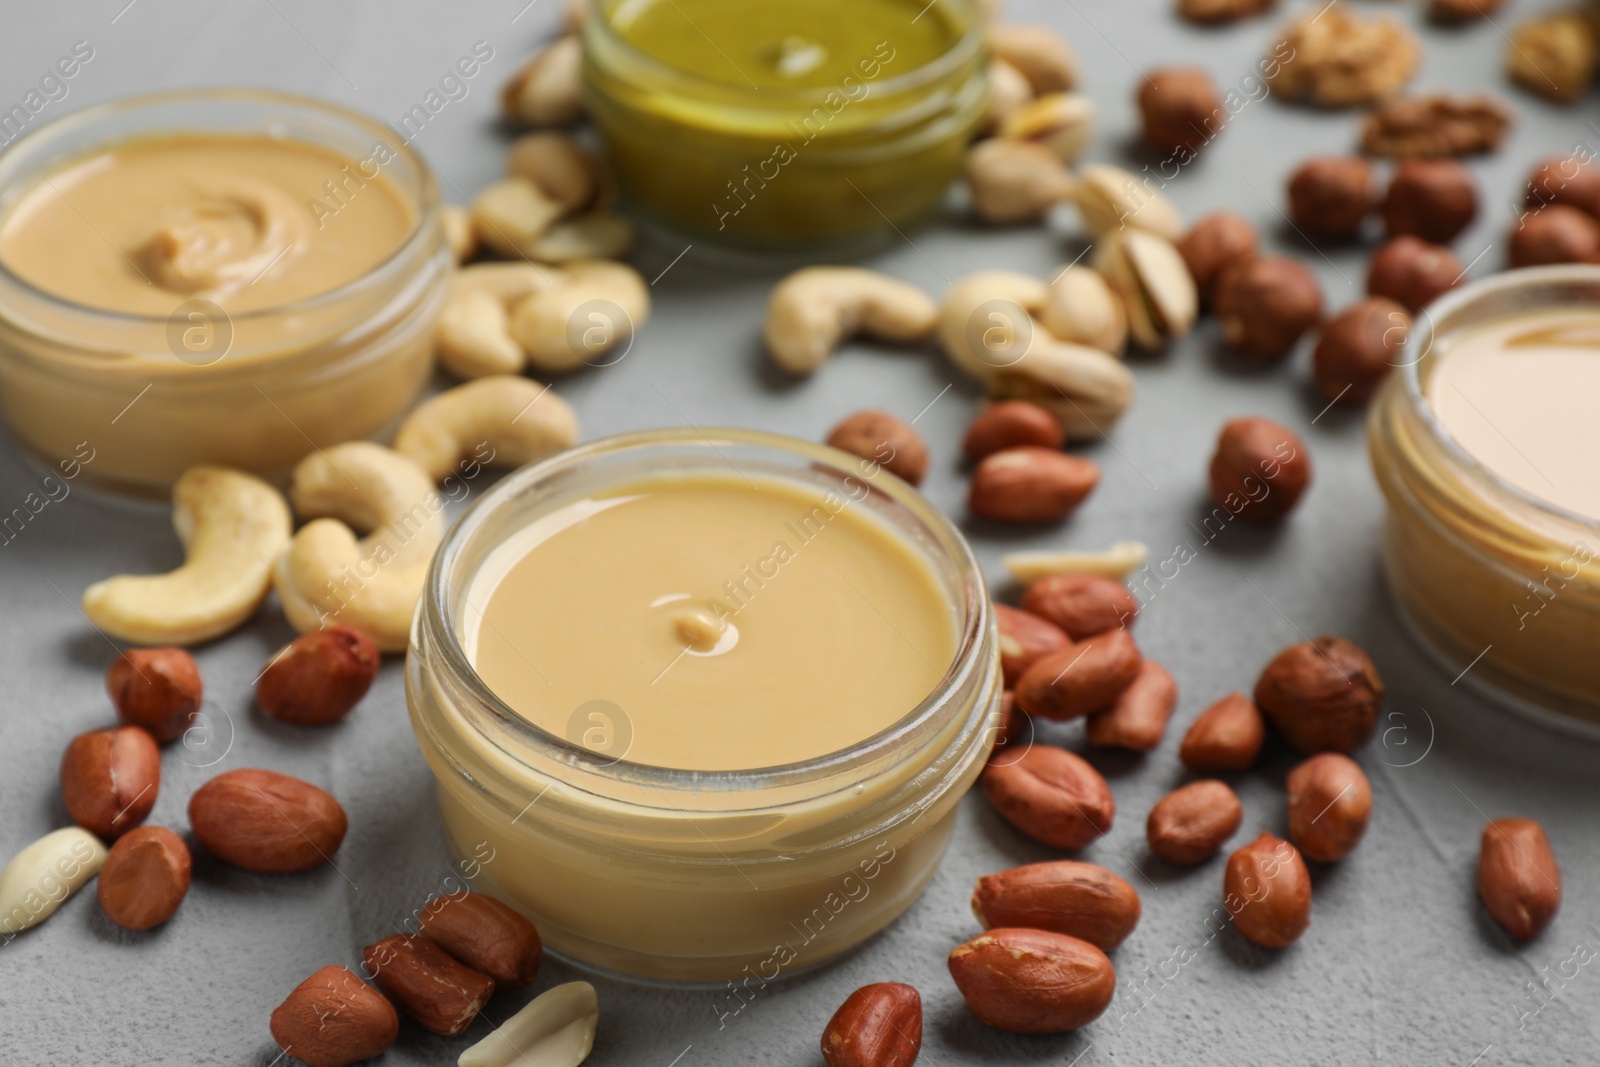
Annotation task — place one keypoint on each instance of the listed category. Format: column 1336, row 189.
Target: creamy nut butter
column 215, row 276
column 709, row 702
column 1484, row 443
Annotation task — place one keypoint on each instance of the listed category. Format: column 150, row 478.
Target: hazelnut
column 1452, row 11
column 1358, row 348
column 1260, row 469
column 1266, row 304
column 1565, row 180
column 880, row 437
column 1558, row 233
column 1330, row 196
column 1433, row 199
column 1011, row 424
column 1413, row 272
column 1215, row 243
column 316, row 679
column 1181, row 108
column 156, row 688
column 1322, row 695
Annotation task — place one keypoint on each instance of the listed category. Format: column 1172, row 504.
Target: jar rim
column 971, row 41
column 1433, row 320
column 426, row 199
column 438, row 619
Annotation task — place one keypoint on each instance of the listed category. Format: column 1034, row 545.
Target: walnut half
column 1436, row 125
column 1336, row 60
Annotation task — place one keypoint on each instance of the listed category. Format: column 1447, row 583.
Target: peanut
column 110, row 779
column 1188, row 825
column 1227, row 736
column 1051, row 795
column 266, row 822
column 1137, row 719
column 1084, row 677
column 1330, row 802
column 439, row 993
column 1065, row 897
column 878, row 1025
column 156, row 688
column 145, row 877
column 1267, row 890
column 333, row 1019
column 1032, row 981
column 1518, row 878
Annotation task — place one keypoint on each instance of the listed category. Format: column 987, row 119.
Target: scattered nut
column 40, row 878
column 1260, row 470
column 1330, row 196
column 1267, row 890
column 1064, row 897
column 555, row 1029
column 1015, row 182
column 1554, row 55
column 1433, row 199
column 459, row 234
column 1024, row 639
column 485, row 935
column 1117, row 561
column 1154, row 282
column 595, row 306
column 1518, row 878
column 1009, row 93
column 1040, row 53
column 1208, row 12
column 1338, row 60
column 1061, row 122
column 1453, row 11
column 318, row 677
column 879, row 1025
column 232, row 526
column 883, row 439
column 506, row 282
column 473, row 336
column 110, row 779
column 1215, row 243
column 156, row 688
column 1051, row 795
column 1358, row 348
column 1558, row 233
column 1082, row 309
column 1011, row 424
column 599, row 235
column 1030, row 484
column 1189, row 825
column 1266, row 305
column 266, row 822
column 1111, row 199
column 1181, row 110
column 145, row 877
column 1032, row 981
column 1081, row 604
column 1137, row 720
column 1413, row 272
column 499, row 421
column 334, row 1019
column 565, row 171
column 1571, row 179
column 1435, row 125
column 548, row 90
column 1322, row 695
column 1084, row 388
column 1085, row 677
column 440, row 994
column 510, row 215
column 1227, row 736
column 1330, row 801
column 812, row 311
column 986, row 321
column 316, row 577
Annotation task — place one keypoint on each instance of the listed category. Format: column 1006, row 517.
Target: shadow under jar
column 784, row 122
column 1485, row 442
column 221, row 276
column 703, row 810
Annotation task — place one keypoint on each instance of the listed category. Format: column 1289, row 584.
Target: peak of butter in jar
column 698, row 628
column 223, row 240
column 798, row 56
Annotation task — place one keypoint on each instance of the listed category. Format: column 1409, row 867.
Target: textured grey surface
column 1400, row 964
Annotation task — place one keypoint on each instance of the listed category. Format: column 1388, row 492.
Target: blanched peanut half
column 326, row 575
column 1110, row 199
column 563, row 169
column 986, row 321
column 1015, row 181
column 812, row 311
column 548, row 90
column 556, row 1029
column 596, row 306
column 1083, row 309
column 510, row 215
column 233, row 526
column 459, row 235
column 1040, row 53
column 517, row 418
column 41, row 877
column 1118, row 561
column 473, row 337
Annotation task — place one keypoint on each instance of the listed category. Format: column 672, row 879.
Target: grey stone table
column 1400, row 965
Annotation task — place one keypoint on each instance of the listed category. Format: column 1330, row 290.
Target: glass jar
column 708, row 875
column 152, row 396
column 785, row 166
column 1502, row 586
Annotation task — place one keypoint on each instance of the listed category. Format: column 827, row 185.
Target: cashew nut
column 1061, row 122
column 516, row 418
column 1086, row 389
column 986, row 321
column 456, row 222
column 1118, row 561
column 511, row 214
column 1111, row 199
column 1155, row 284
column 1040, row 53
column 594, row 306
column 548, row 91
column 232, row 526
column 1009, row 93
column 473, row 337
column 563, row 169
column 326, row 575
column 597, row 236
column 40, row 878
column 506, row 282
column 1083, row 309
column 1015, row 181
column 812, row 311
